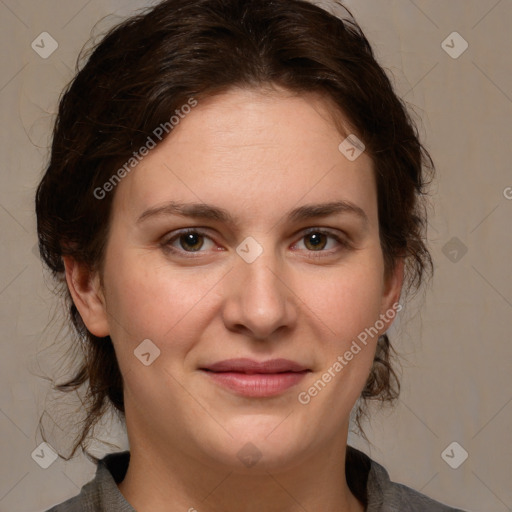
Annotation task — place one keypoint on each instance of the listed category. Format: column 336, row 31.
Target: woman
column 233, row 206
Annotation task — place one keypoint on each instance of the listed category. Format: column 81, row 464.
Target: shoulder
column 87, row 500
column 75, row 504
column 383, row 495
column 101, row 493
column 400, row 498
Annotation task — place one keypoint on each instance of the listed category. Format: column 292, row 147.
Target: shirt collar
column 365, row 478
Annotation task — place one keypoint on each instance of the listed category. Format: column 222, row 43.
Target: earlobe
column 87, row 294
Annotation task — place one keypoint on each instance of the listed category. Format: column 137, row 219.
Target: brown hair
column 153, row 63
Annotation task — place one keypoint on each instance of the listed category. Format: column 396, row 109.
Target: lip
column 245, row 365
column 251, row 378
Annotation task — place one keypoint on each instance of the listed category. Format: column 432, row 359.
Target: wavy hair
column 149, row 65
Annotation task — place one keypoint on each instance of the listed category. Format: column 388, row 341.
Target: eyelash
column 166, row 243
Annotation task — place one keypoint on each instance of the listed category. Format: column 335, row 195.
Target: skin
column 258, row 155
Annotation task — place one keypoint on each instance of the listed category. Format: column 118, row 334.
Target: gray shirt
column 368, row 480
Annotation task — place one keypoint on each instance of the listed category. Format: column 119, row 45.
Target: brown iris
column 191, row 240
column 316, row 240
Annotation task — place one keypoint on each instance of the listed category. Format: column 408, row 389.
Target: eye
column 188, row 241
column 316, row 240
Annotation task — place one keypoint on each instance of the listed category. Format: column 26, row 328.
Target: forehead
column 251, row 149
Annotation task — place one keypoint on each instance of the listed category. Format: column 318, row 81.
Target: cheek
column 150, row 301
column 347, row 300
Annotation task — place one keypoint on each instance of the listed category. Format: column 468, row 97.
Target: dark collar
column 357, row 469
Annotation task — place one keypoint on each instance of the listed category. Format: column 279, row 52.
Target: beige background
column 457, row 353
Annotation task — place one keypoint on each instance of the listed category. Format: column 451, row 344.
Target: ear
column 85, row 288
column 391, row 294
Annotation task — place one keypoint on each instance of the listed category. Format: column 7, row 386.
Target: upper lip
column 244, row 365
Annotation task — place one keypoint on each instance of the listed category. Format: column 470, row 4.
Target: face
column 279, row 258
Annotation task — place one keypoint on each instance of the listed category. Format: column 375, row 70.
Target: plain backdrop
column 455, row 341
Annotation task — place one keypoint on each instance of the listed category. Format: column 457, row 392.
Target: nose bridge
column 258, row 298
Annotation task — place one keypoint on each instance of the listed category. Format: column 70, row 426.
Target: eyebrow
column 211, row 212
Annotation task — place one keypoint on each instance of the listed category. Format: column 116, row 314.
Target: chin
column 258, row 447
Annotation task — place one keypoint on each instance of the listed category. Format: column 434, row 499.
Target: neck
column 171, row 480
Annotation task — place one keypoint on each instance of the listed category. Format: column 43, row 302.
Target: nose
column 259, row 297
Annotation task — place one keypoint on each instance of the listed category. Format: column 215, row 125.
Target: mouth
column 251, row 378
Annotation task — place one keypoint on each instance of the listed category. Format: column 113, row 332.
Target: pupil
column 192, row 240
column 315, row 239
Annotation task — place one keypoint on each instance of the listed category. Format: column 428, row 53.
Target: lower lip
column 257, row 384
